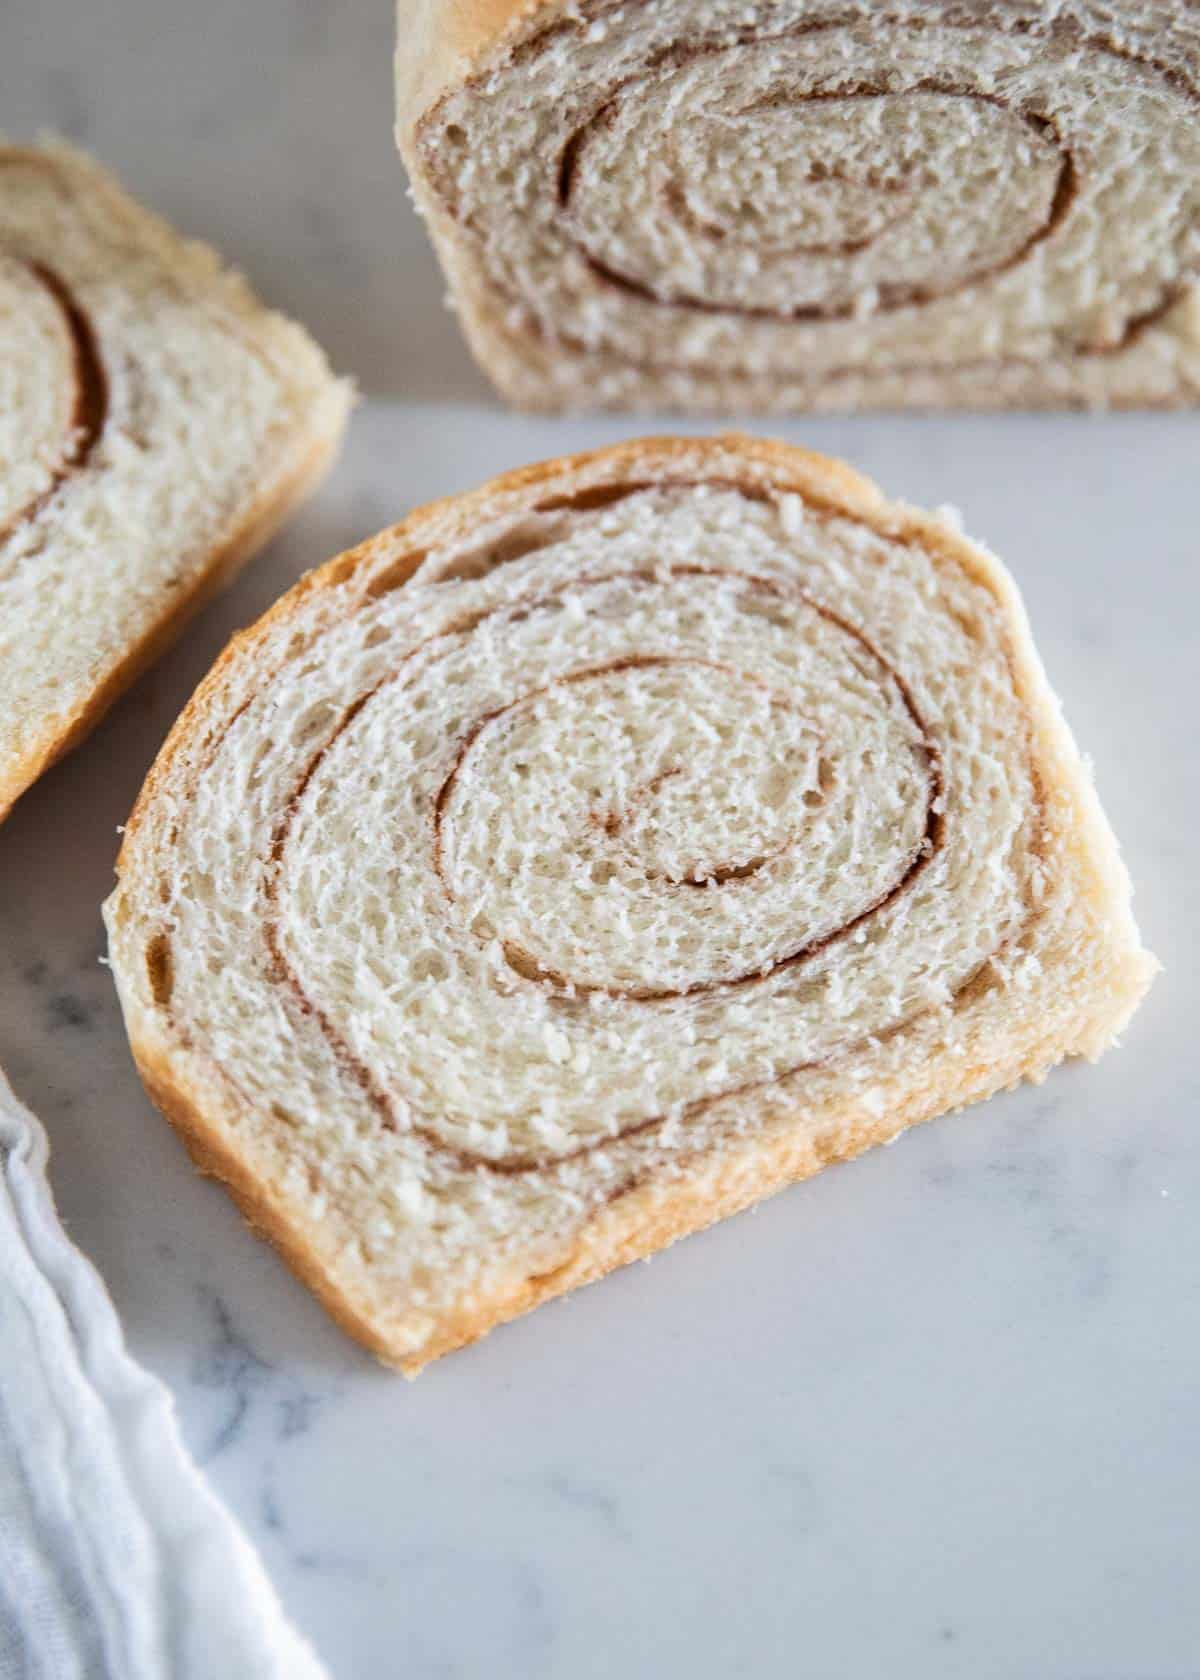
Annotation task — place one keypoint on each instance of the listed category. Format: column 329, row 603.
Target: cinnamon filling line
column 385, row 1103
column 890, row 297
column 89, row 408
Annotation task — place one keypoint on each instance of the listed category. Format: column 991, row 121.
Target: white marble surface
column 933, row 1414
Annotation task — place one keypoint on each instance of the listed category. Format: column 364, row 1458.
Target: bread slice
column 586, row 857
column 794, row 205
column 156, row 425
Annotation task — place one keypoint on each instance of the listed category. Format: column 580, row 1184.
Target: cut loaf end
column 589, row 856
column 792, row 206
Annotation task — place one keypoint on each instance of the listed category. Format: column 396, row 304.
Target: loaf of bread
column 587, row 857
column 156, row 424
column 791, row 205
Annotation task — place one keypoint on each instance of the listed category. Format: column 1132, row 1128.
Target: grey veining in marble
column 933, row 1414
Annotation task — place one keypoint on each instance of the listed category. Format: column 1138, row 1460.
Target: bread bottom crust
column 1158, row 369
column 640, row 1222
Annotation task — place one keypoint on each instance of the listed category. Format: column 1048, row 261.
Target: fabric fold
column 117, row 1561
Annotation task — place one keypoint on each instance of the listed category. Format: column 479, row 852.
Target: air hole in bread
column 393, row 576
column 524, row 538
column 430, row 965
column 160, row 969
column 553, row 1278
column 340, row 570
column 586, row 501
column 315, row 721
column 755, row 606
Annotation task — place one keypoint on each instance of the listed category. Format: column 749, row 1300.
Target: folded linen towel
column 117, row 1561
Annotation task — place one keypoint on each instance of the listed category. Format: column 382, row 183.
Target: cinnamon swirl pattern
column 807, row 205
column 155, row 424
column 676, row 817
column 64, row 387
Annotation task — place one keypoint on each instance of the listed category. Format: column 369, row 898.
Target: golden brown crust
column 444, row 41
column 649, row 1218
column 214, row 1155
column 709, row 1186
column 633, row 1226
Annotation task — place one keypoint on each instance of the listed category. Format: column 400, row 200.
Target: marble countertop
column 933, row 1413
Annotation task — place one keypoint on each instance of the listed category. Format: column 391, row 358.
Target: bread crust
column 711, row 1184
column 299, row 461
column 449, row 42
column 437, row 43
column 634, row 1226
column 538, row 376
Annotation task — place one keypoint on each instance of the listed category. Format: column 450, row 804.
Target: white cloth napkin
column 117, row 1561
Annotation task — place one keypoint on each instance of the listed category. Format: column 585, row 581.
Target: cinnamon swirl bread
column 586, row 857
column 795, row 204
column 156, row 424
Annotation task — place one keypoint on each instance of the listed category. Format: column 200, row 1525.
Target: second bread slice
column 156, row 424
